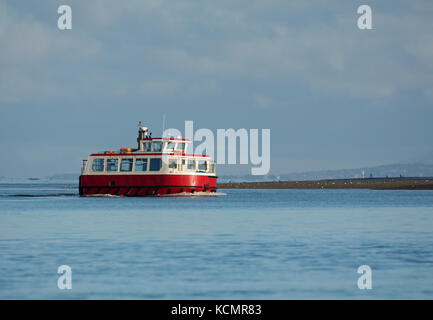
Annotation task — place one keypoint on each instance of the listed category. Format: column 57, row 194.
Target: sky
column 334, row 96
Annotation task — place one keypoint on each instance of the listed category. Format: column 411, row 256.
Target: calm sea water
column 250, row 244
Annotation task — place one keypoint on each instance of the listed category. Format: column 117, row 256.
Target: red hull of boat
column 145, row 185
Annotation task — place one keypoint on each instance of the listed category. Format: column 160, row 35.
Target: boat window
column 157, row 146
column 170, row 146
column 112, row 164
column 212, row 167
column 181, row 165
column 155, row 164
column 172, row 163
column 98, row 165
column 180, row 146
column 148, row 147
column 141, row 164
column 126, row 165
column 202, row 165
column 191, row 164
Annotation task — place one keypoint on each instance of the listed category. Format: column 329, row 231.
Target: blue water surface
column 249, row 244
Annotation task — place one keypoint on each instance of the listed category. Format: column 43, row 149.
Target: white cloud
column 18, row 85
column 164, row 87
column 223, row 40
column 33, row 54
column 262, row 102
column 158, row 87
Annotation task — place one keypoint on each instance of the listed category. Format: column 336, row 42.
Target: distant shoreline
column 368, row 183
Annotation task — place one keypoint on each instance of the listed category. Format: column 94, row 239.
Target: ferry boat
column 157, row 167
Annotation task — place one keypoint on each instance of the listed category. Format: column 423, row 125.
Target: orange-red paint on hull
column 145, row 185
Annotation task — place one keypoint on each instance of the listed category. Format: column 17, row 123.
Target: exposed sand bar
column 370, row 183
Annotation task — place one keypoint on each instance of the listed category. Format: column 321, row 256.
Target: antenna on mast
column 163, row 125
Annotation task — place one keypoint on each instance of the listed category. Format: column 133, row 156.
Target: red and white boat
column 159, row 166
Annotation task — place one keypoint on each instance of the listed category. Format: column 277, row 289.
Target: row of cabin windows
column 169, row 146
column 152, row 164
column 141, row 164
